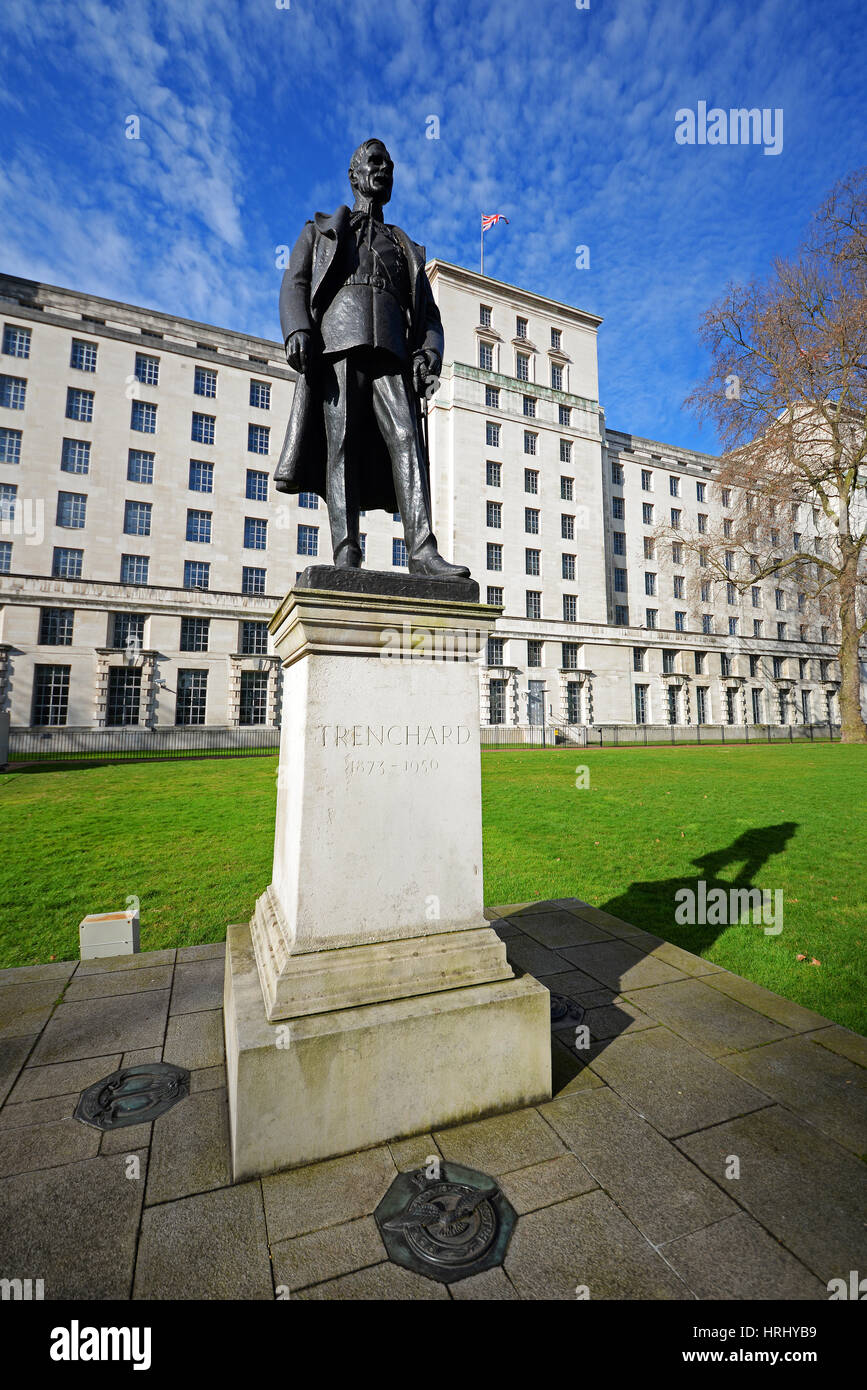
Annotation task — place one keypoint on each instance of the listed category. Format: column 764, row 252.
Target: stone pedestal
column 369, row 999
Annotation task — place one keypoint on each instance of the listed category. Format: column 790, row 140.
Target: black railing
column 630, row 735
column 138, row 743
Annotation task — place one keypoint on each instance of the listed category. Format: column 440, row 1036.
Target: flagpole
column 482, row 239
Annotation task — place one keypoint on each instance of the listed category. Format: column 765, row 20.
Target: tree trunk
column 852, row 726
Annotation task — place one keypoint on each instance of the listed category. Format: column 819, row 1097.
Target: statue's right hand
column 298, row 350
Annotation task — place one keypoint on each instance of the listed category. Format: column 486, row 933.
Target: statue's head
column 371, row 171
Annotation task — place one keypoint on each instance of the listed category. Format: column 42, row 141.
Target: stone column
column 369, row 998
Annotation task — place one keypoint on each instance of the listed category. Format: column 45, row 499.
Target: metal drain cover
column 565, row 1010
column 448, row 1226
column 133, row 1095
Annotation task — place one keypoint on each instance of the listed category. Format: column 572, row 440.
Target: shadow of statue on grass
column 617, row 955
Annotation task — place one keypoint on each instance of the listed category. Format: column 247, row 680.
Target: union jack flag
column 489, row 218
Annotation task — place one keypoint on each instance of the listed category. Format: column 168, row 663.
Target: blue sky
column 561, row 118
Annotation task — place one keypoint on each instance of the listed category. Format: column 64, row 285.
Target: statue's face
column 373, row 176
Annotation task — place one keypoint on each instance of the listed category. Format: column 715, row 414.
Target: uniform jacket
column 306, row 291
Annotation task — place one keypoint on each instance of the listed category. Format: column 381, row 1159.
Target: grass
column 193, row 842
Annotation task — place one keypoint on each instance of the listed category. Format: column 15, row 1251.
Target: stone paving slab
column 807, row 1191
column 209, row 1246
column 619, row 1182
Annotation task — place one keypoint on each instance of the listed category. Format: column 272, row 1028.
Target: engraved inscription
column 391, row 735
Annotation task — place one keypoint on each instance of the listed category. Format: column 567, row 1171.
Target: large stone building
column 143, row 548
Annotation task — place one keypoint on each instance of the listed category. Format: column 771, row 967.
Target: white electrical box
column 109, row 934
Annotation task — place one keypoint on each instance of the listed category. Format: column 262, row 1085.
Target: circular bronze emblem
column 450, row 1223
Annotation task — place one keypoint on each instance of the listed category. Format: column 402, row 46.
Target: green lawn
column 193, row 841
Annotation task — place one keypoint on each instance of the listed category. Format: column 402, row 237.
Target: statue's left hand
column 425, row 370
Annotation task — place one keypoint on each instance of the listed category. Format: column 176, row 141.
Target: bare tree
column 787, row 390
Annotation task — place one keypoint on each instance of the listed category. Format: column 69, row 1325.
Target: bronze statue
column 361, row 328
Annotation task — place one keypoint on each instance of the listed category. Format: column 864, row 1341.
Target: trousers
column 356, row 383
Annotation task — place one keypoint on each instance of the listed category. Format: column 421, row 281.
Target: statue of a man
column 361, row 328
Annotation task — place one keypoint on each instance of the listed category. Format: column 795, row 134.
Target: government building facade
column 143, row 548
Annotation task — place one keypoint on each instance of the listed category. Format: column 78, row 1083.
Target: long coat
column 305, row 293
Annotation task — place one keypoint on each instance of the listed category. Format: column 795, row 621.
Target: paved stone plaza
column 619, row 1183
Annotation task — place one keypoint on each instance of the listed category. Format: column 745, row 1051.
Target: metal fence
column 628, row 735
column 139, row 743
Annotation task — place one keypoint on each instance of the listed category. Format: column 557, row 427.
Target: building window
column 254, row 697
column 569, row 656
column 619, row 581
column 706, row 623
column 55, row 627
column 192, row 697
column 727, row 527
column 494, row 514
column 194, row 634
column 497, row 701
column 50, row 695
column 205, row 382
column 758, row 713
column 699, row 660
column 646, row 513
column 731, row 593
column 520, row 328
column 256, row 533
column 203, row 428
column 137, row 518
column 197, row 574
column 495, row 556
column 143, row 417
column 134, row 569
column 564, row 415
column 702, row 522
column 254, row 638
column 570, row 608
column 71, row 509
column 306, row 499
column 650, row 616
column 492, row 435
column 617, row 474
column 493, row 473
column 492, row 397
column 756, row 596
column 726, row 496
column 124, row 696
column 705, row 591
column 650, row 583
column 8, row 498
column 674, row 486
column 16, row 341
column 398, row 552
column 258, row 437
column 485, row 315
column 486, row 357
column 641, row 704
column 531, row 480
column 556, row 339
column 638, row 658
column 260, row 395
column 679, row 621
column 531, row 521
column 530, row 442
column 534, row 654
column 566, row 489
column 730, row 560
column 534, row 604
column 725, row 664
column 531, row 561
column 700, row 492
column 619, row 542
column 673, row 700
column 568, row 567
column 781, row 632
column 79, row 404
column 733, row 627
column 556, row 377
column 646, row 480
column 757, row 627
column 10, row 447
column 677, row 552
column 257, row 486
column 199, row 526
column 675, row 519
column 495, row 651
column 678, row 583
column 201, row 476
column 522, row 366
column 147, row 369
column 621, row 614
column 127, row 631
column 83, row 356
column 5, row 557
column 252, row 579
column 308, row 540
column 495, row 596
column 139, row 466
column 13, row 393
column 701, row 704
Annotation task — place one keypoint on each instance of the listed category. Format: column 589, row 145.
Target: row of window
column 521, row 324
column 83, row 358
column 494, row 478
column 492, row 402
column 494, row 519
column 124, row 696
column 493, row 436
column 522, row 365
column 785, row 706
column 778, row 664
column 56, row 626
